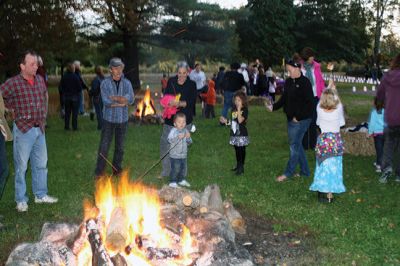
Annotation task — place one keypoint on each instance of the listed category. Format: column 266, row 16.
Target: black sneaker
column 384, row 177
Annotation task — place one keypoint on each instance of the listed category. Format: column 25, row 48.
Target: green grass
column 362, row 226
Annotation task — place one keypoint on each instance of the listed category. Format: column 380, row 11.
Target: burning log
column 77, row 241
column 161, row 253
column 117, row 230
column 235, row 219
column 119, row 260
column 100, row 256
column 204, row 199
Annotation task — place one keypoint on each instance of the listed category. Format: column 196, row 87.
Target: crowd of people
column 312, row 110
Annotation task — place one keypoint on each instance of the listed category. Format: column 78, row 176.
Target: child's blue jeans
column 178, row 170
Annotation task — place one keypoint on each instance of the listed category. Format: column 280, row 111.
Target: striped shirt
column 108, row 88
column 29, row 102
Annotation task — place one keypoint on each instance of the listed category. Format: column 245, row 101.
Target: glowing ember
column 145, row 106
column 128, row 218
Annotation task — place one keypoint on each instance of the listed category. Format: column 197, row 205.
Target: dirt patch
column 270, row 245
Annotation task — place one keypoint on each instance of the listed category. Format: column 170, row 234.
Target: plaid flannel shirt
column 29, row 102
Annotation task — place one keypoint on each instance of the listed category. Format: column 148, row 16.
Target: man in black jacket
column 71, row 89
column 233, row 81
column 297, row 103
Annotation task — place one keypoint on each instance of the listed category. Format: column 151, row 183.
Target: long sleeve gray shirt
column 179, row 150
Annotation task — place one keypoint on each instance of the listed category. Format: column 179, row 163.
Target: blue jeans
column 82, row 103
column 228, row 101
column 30, row 146
column 107, row 132
column 178, row 169
column 3, row 165
column 296, row 131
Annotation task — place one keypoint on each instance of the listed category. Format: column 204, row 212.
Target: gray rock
column 40, row 253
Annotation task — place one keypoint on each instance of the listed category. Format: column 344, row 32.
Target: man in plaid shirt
column 26, row 95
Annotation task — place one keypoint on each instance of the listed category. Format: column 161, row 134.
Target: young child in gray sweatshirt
column 179, row 138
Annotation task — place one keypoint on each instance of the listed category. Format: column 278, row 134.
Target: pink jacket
column 169, row 111
column 319, row 81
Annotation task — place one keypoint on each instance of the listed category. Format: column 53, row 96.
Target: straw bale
column 358, row 143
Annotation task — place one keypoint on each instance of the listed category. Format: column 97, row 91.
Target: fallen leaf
column 391, row 225
column 359, row 200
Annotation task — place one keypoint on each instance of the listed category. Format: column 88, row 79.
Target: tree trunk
column 131, row 59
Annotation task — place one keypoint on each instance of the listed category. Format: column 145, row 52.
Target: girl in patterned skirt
column 328, row 176
column 239, row 136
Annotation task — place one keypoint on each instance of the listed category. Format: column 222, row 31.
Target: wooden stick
column 215, row 200
column 204, row 199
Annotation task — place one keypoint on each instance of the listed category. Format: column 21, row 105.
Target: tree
column 390, row 46
column 382, row 10
column 131, row 22
column 267, row 31
column 198, row 31
column 42, row 25
column 332, row 28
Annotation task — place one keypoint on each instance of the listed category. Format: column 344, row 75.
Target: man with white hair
column 243, row 70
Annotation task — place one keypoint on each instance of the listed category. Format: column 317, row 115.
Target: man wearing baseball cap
column 297, row 103
column 116, row 94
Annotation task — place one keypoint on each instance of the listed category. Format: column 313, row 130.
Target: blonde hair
column 329, row 99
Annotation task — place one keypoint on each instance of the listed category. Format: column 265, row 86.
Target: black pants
column 107, row 132
column 71, row 106
column 240, row 155
column 209, row 112
column 391, row 150
column 379, row 140
column 310, row 137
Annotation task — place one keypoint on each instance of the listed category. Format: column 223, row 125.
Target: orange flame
column 137, row 208
column 145, row 106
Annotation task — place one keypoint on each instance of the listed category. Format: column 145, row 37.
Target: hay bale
column 358, row 143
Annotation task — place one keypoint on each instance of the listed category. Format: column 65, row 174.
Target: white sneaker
column 173, row 184
column 22, row 206
column 378, row 169
column 46, row 199
column 184, row 183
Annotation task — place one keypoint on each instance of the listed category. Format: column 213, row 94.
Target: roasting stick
column 107, row 161
column 156, row 163
column 148, row 170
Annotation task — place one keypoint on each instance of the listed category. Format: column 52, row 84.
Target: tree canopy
column 347, row 30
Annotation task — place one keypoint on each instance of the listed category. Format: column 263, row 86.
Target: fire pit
column 146, row 112
column 130, row 224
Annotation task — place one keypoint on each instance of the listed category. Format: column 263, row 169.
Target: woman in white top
column 328, row 176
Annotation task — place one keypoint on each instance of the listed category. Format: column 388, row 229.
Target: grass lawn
column 361, row 227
